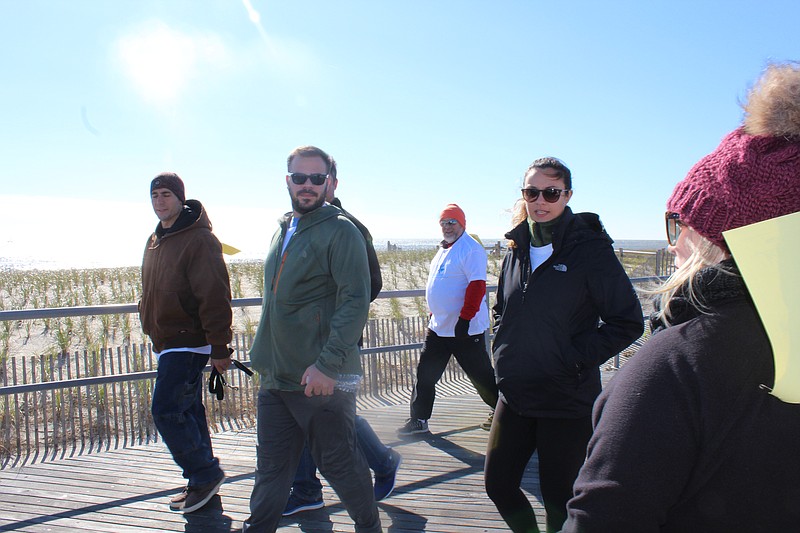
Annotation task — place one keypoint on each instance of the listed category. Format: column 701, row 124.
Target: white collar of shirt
column 289, row 232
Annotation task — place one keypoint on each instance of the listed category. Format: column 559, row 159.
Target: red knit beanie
column 754, row 173
column 453, row 211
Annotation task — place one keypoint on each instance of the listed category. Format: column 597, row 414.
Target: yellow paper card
column 768, row 257
column 227, row 249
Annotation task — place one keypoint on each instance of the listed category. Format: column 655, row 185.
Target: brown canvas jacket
column 186, row 296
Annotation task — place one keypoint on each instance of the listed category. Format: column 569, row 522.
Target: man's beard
column 307, row 208
column 452, row 237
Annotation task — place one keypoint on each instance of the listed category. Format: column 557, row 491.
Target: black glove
column 462, row 328
column 217, row 383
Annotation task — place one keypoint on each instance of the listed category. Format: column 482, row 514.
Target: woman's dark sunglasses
column 550, row 194
column 300, row 179
column 673, row 227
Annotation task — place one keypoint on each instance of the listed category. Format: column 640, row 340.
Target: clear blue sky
column 421, row 103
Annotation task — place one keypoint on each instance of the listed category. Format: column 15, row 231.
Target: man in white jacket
column 455, row 293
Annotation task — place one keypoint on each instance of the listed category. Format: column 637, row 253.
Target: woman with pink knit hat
column 687, row 436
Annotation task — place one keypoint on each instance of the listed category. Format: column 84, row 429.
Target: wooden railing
column 84, row 401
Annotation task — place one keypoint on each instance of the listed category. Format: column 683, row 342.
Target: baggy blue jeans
column 286, row 420
column 180, row 417
column 307, row 485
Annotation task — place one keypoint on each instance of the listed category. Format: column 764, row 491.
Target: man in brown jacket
column 186, row 311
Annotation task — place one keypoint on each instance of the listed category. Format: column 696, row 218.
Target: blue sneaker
column 297, row 505
column 384, row 485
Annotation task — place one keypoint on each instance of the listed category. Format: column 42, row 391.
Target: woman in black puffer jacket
column 564, row 307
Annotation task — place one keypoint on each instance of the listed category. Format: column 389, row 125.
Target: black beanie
column 171, row 181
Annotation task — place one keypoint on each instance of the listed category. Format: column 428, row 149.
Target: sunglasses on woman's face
column 674, row 225
column 316, row 179
column 550, row 194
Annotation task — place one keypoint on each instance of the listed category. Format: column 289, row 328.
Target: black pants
column 470, row 352
column 561, row 444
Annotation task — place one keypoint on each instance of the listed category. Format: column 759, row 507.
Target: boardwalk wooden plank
column 439, row 487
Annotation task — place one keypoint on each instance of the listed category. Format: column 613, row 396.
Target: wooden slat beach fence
column 81, row 402
column 642, row 263
column 63, row 404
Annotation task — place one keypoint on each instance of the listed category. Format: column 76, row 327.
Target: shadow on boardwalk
column 439, row 487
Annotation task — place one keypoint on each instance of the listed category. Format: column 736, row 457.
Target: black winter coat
column 686, row 437
column 375, row 277
column 549, row 339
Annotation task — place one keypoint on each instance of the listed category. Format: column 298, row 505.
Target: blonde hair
column 704, row 254
column 518, row 213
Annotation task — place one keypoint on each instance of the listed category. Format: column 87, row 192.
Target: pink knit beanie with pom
column 754, row 173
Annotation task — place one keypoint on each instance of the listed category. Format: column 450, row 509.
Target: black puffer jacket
column 375, row 277
column 549, row 342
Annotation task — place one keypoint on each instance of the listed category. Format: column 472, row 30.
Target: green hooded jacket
column 316, row 302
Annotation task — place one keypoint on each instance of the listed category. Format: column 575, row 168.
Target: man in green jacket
column 316, row 301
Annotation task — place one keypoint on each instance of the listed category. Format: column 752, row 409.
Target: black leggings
column 561, row 444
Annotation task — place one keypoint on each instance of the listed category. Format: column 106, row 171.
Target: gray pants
column 286, row 420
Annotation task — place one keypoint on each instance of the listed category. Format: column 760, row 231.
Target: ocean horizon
column 75, row 262
column 382, row 245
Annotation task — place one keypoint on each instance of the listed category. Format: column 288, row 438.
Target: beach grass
column 36, row 289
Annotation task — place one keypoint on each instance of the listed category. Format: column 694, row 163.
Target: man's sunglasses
column 316, row 179
column 550, row 194
column 674, row 225
column 448, row 222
